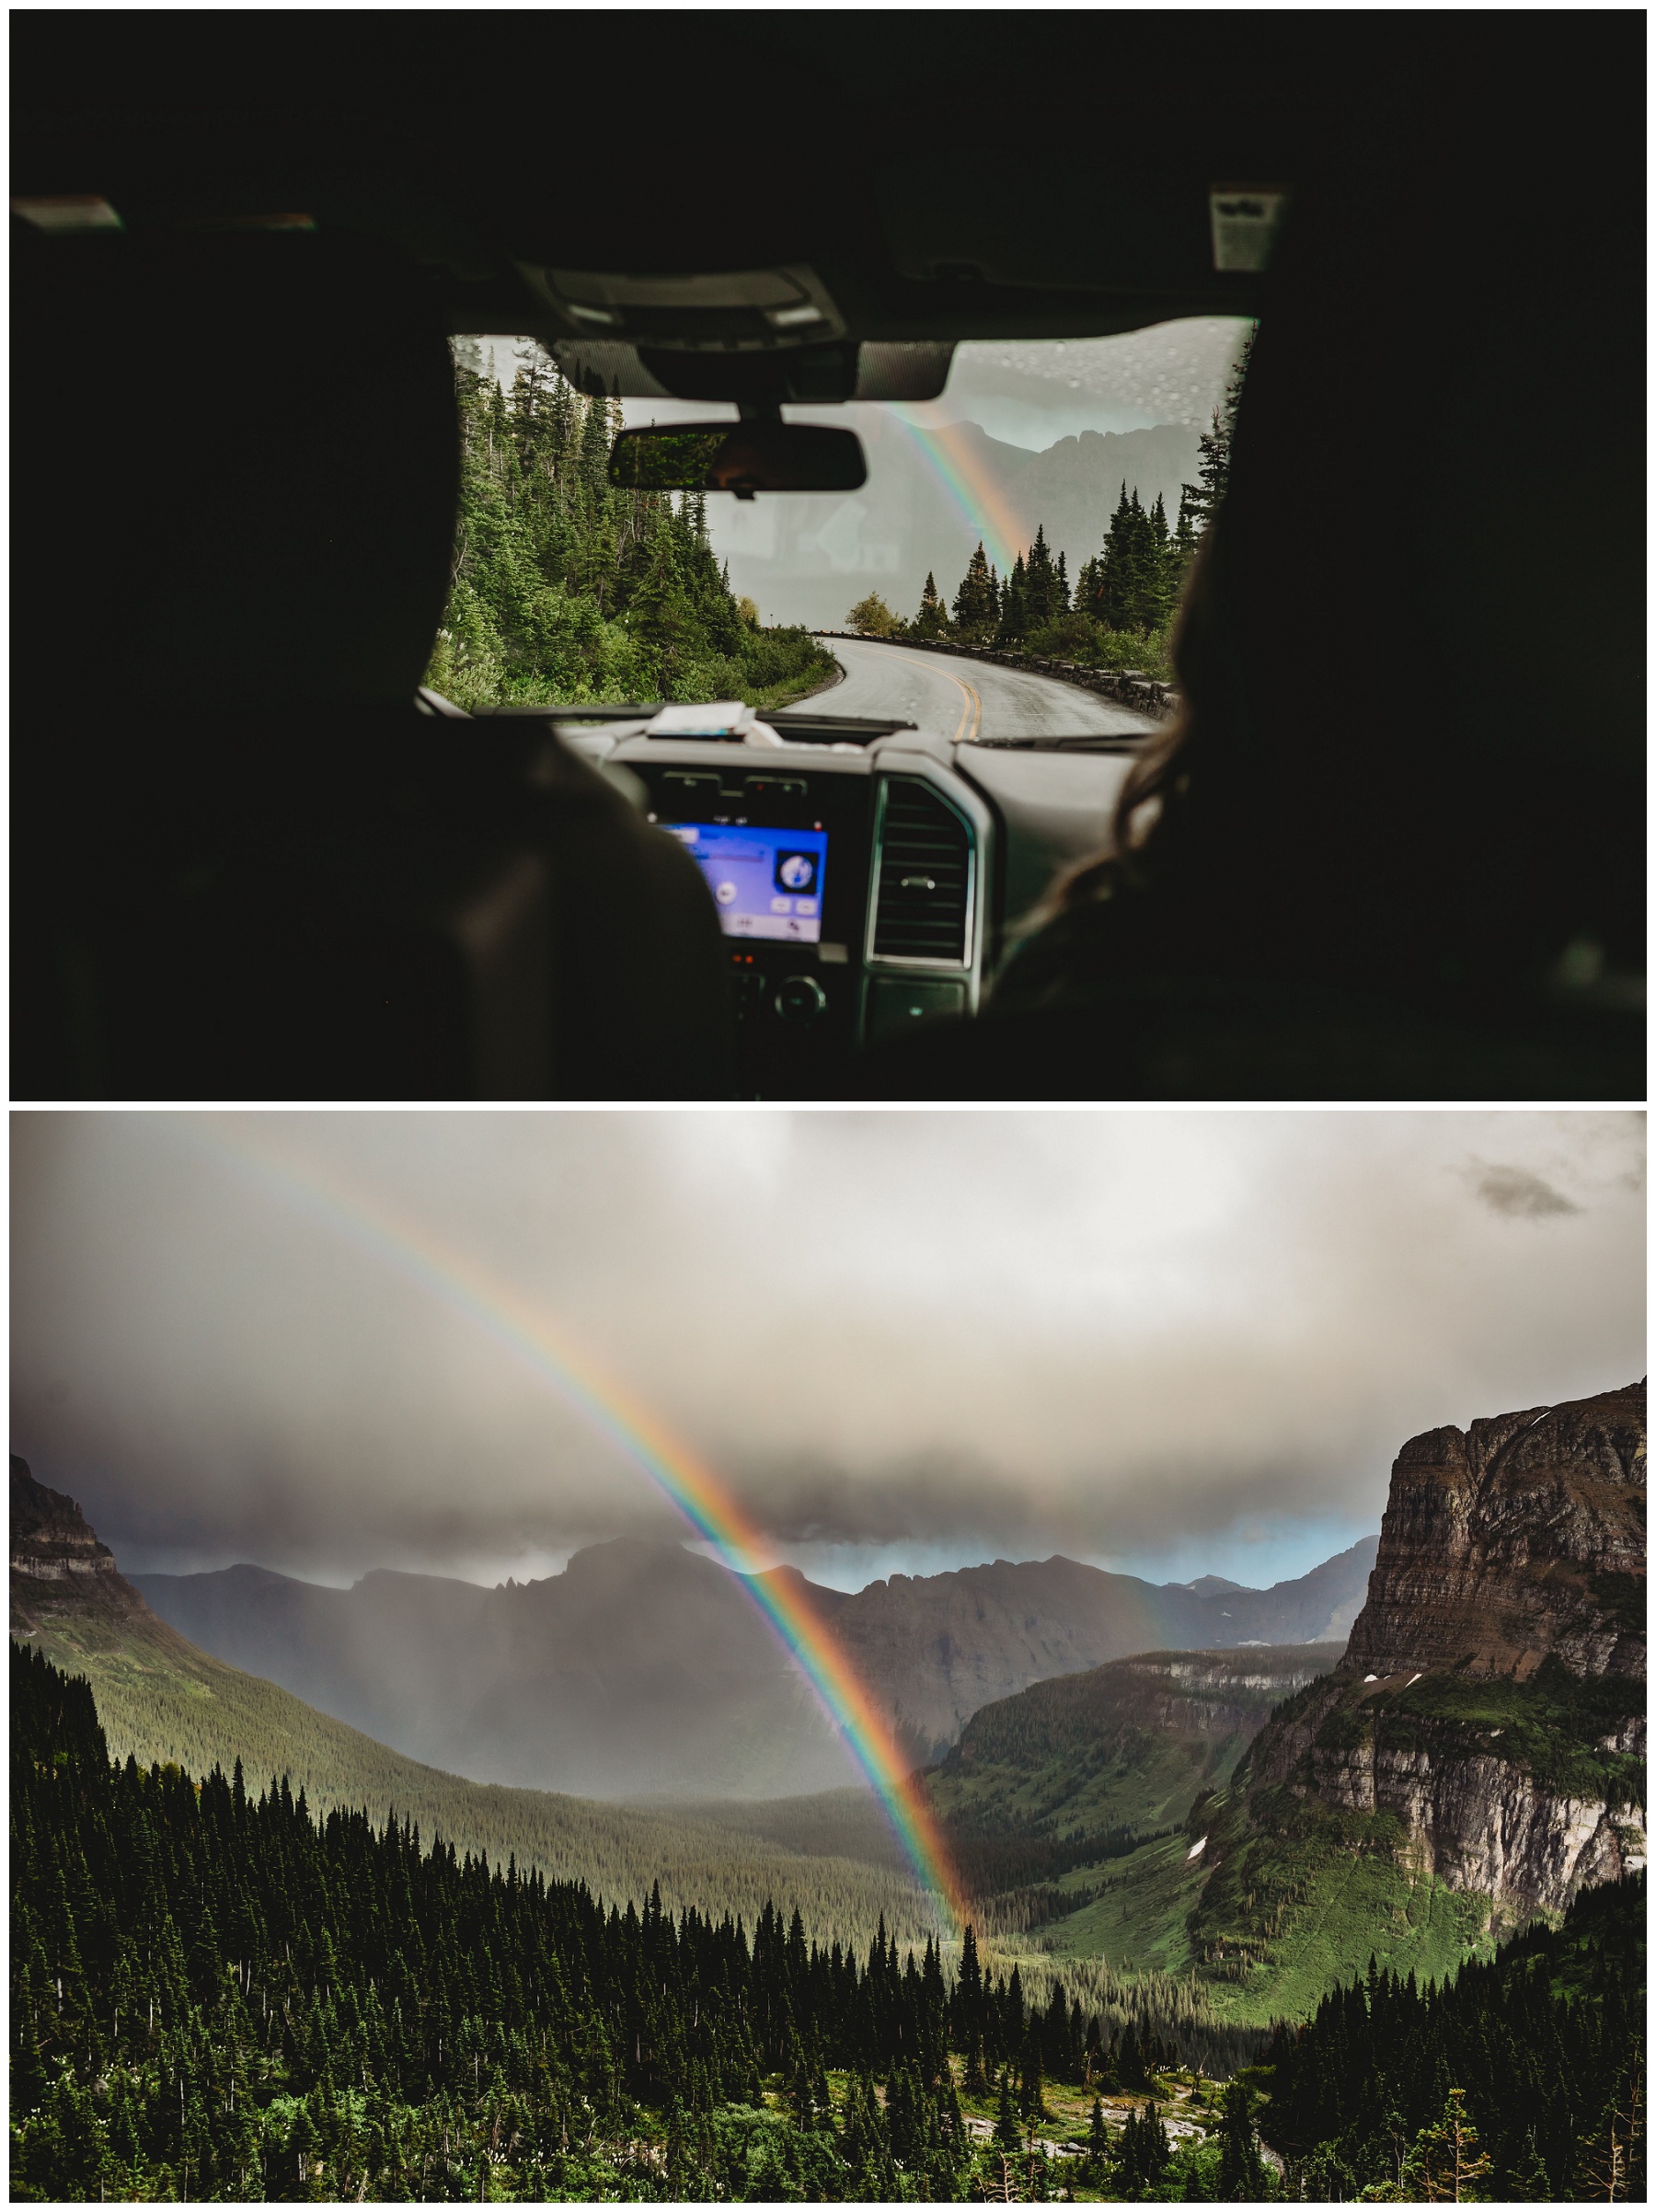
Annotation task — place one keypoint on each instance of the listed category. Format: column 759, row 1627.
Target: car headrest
column 1427, row 573
column 236, row 471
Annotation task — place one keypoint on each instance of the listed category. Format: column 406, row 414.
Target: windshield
column 1045, row 506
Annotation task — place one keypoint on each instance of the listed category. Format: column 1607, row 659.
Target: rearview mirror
column 743, row 457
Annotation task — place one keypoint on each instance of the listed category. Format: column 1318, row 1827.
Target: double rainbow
column 465, row 1288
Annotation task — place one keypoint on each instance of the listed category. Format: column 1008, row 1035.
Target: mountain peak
column 58, row 1569
column 1520, row 1537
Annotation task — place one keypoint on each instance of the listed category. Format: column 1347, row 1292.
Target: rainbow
column 469, row 1289
column 983, row 504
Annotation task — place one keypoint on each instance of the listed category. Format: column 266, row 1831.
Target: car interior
column 253, row 858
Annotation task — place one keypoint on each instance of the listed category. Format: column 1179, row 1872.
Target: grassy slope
column 1138, row 1921
column 1096, row 1750
column 1304, row 1893
column 1325, row 1907
column 1147, row 1782
column 161, row 1699
column 1301, row 1895
column 1264, row 1919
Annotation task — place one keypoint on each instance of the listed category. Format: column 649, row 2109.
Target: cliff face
column 1489, row 1712
column 1473, row 1820
column 58, row 1569
column 1522, row 1537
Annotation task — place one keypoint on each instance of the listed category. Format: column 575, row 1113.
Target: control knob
column 800, row 1000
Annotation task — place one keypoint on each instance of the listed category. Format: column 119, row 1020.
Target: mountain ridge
column 646, row 1670
column 163, row 1701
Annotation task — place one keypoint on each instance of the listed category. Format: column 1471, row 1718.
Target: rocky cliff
column 1522, row 1537
column 58, row 1569
column 1486, row 1725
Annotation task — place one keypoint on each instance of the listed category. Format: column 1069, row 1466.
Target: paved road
column 966, row 699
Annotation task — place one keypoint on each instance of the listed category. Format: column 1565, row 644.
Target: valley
column 1433, row 1825
column 165, row 1703
column 645, row 1669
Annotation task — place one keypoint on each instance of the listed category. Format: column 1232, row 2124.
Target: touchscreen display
column 765, row 882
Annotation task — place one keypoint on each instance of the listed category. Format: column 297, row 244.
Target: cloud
column 1517, row 1192
column 1133, row 1337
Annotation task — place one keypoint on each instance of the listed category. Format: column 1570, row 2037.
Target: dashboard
column 864, row 884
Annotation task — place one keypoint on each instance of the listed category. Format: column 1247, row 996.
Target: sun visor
column 740, row 310
column 816, row 374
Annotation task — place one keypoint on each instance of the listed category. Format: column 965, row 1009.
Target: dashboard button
column 682, row 790
column 895, row 1003
column 801, row 999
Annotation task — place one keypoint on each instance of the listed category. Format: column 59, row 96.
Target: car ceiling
column 917, row 178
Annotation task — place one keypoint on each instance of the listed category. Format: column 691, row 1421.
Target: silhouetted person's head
column 1410, row 753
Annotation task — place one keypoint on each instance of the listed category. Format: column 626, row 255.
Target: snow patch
column 1196, row 1849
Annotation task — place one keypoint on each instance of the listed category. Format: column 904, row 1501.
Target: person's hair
column 1408, row 759
column 1158, row 783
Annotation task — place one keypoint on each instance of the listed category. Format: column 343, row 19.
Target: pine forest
column 1118, row 611
column 217, row 1996
column 563, row 591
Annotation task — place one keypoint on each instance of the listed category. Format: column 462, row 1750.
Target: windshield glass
column 1046, row 506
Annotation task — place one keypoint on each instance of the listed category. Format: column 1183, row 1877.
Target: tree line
column 215, row 1995
column 1522, row 2081
column 1118, row 612
column 564, row 589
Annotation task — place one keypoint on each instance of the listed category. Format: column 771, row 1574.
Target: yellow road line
column 972, row 712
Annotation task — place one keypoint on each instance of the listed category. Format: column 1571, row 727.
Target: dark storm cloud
column 1519, row 1193
column 1111, row 1335
column 926, row 1497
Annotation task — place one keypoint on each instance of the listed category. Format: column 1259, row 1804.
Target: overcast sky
column 1165, row 1342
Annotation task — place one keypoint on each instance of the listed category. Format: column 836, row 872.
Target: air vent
column 924, row 876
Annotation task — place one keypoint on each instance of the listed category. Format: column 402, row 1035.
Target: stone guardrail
column 1126, row 687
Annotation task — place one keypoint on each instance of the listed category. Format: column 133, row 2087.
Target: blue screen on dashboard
column 765, row 882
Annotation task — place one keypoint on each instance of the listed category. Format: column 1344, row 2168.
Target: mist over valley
column 645, row 1671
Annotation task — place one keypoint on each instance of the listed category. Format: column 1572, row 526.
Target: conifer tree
column 1008, row 2136
column 1098, row 2142
column 1014, row 623
column 1243, row 2178
column 1045, row 595
column 1203, row 498
column 932, row 621
column 977, row 602
column 1446, row 2164
column 1527, row 2181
